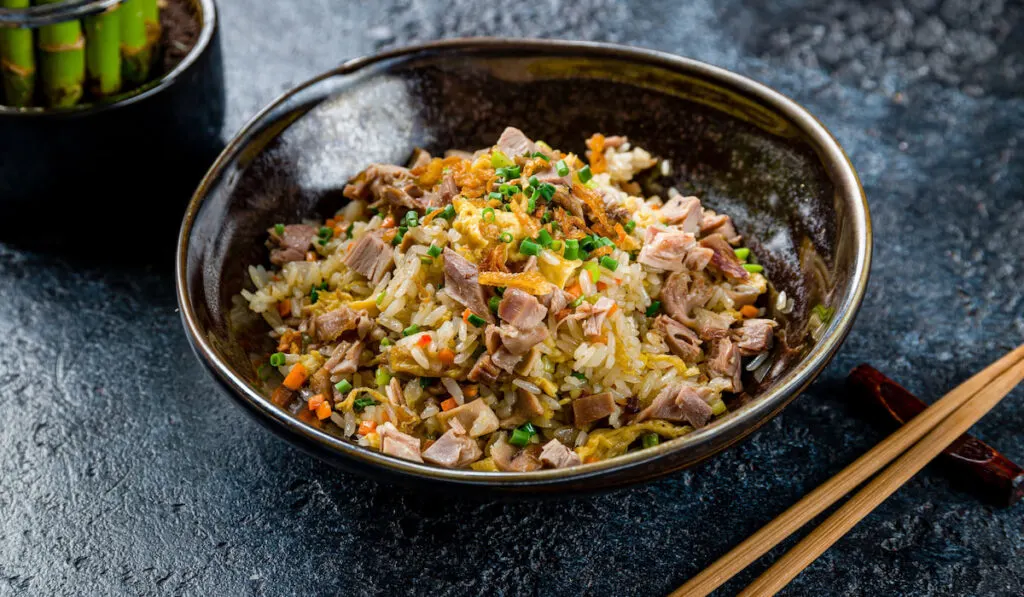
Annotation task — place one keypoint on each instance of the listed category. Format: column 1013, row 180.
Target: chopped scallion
column 385, row 342
column 500, row 160
column 531, row 203
column 279, row 229
column 742, row 253
column 534, row 182
column 562, row 168
column 361, row 403
column 585, row 174
column 577, row 302
column 495, row 195
column 493, row 303
column 653, row 309
column 448, row 212
column 521, row 435
column 572, row 249
column 547, row 191
column 595, row 273
column 753, row 268
column 434, row 250
column 412, row 219
column 505, row 237
column 426, row 260
column 609, row 263
column 528, row 247
column 579, row 375
column 348, row 231
column 476, row 320
column 343, row 386
column 630, row 226
column 412, row 329
column 540, row 155
column 556, row 245
column 488, row 214
column 277, row 359
column 544, row 238
column 649, row 440
column 380, row 299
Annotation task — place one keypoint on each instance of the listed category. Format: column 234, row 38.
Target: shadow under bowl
column 741, row 147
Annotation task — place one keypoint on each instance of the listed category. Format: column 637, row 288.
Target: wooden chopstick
column 844, row 482
column 884, row 485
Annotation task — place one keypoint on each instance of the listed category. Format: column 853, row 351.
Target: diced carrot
column 446, row 356
column 284, row 308
column 367, row 427
column 466, row 314
column 749, row 311
column 590, row 459
column 602, row 286
column 310, row 255
column 389, row 222
column 314, row 402
column 470, row 390
column 449, row 404
column 329, row 223
column 296, row 377
column 613, row 309
column 323, row 411
column 424, row 340
column 575, row 290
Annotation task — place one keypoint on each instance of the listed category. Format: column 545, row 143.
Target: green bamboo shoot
column 103, row 52
column 61, row 62
column 136, row 52
column 151, row 17
column 17, row 61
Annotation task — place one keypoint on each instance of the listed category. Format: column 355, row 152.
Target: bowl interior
column 741, row 154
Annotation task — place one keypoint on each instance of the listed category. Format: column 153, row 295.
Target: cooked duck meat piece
column 484, row 370
column 507, row 459
column 292, row 244
column 505, row 360
column 364, row 325
column 396, row 443
column 370, row 256
column 492, row 338
column 519, row 342
column 556, row 300
column 680, row 339
column 460, row 282
column 666, row 249
column 521, row 309
column 334, row 323
column 754, row 336
column 569, row 202
column 345, row 359
column 395, row 394
column 401, row 198
column 680, row 296
column 742, row 295
column 526, row 407
column 724, row 361
column 587, row 409
column 476, row 417
column 698, row 258
column 375, row 180
column 679, row 404
column 513, row 142
column 419, row 158
column 550, row 175
column 447, row 191
column 598, row 312
column 724, row 260
column 555, row 455
column 530, row 265
column 711, row 325
column 712, row 223
column 684, row 211
column 527, row 362
column 453, row 450
column 320, row 382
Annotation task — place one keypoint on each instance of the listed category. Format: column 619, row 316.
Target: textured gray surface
column 125, row 471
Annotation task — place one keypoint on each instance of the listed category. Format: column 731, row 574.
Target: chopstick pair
column 909, row 449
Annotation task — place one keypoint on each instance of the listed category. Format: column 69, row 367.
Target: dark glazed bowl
column 145, row 148
column 740, row 146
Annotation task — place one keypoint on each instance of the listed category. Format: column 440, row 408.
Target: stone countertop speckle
column 127, row 471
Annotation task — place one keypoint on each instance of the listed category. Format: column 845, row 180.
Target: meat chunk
column 754, row 336
column 513, row 142
column 526, row 407
column 292, row 244
column 698, row 258
column 682, row 293
column 527, row 362
column 743, row 295
column 556, row 300
column 712, row 223
column 460, row 282
column 587, row 409
column 504, row 359
column 395, row 394
column 521, row 309
column 345, row 358
column 724, row 361
column 679, row 404
column 507, row 459
column 320, row 382
column 569, row 202
column 666, row 250
column 334, row 323
column 684, row 211
column 556, row 455
column 724, row 260
column 454, row 449
column 711, row 325
column 419, row 158
column 476, row 417
column 370, row 256
column 596, row 315
column 680, row 339
column 519, row 342
column 492, row 338
column 550, row 175
column 375, row 180
column 447, row 191
column 484, row 370
column 396, row 443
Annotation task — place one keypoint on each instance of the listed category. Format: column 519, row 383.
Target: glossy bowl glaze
column 741, row 147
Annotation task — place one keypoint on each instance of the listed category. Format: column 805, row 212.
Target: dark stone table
column 126, row 471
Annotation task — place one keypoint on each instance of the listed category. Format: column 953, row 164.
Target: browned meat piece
column 587, row 409
column 684, row 211
column 344, row 359
column 698, row 258
column 680, row 296
column 476, row 417
column 484, row 370
column 504, row 359
column 556, row 455
column 460, row 282
column 712, row 223
column 596, row 315
column 521, row 309
column 724, row 361
column 454, row 449
column 320, row 382
column 419, row 158
column 526, row 407
column 396, row 443
column 373, row 182
column 754, row 336
column 507, row 459
column 403, row 198
column 395, row 394
column 292, row 244
column 743, row 295
column 370, row 256
column 519, row 342
column 679, row 404
column 666, row 249
column 569, row 202
column 550, row 176
column 364, row 325
column 526, row 364
column 513, row 142
column 447, row 191
column 334, row 323
column 724, row 260
column 556, row 300
column 680, row 339
column 492, row 338
column 711, row 325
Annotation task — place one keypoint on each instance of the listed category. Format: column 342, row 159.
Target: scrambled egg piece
column 470, row 219
column 558, row 273
column 608, row 443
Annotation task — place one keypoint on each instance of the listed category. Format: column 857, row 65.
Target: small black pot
column 145, row 149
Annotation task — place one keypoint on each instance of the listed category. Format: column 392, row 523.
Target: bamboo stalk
column 17, row 61
column 136, row 52
column 61, row 62
column 103, row 52
column 882, row 486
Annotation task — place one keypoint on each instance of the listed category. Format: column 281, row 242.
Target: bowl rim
column 741, row 423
